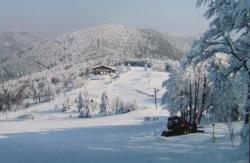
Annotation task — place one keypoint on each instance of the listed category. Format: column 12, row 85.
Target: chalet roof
column 113, row 68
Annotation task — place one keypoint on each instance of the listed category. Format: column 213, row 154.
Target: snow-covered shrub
column 117, row 105
column 130, row 106
column 121, row 106
column 66, row 106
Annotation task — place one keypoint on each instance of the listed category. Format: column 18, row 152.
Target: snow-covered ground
column 136, row 84
column 54, row 137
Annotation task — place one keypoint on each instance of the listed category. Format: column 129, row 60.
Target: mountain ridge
column 104, row 44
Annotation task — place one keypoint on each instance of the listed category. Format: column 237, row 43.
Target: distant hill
column 13, row 41
column 106, row 44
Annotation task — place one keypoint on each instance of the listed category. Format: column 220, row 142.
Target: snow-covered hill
column 107, row 44
column 14, row 41
column 52, row 136
column 181, row 43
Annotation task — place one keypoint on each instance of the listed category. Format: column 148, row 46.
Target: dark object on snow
column 179, row 126
column 200, row 131
column 170, row 133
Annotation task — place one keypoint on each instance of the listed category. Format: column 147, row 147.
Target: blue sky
column 59, row 16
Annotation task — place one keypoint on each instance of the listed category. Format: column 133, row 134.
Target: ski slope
column 53, row 137
column 136, row 84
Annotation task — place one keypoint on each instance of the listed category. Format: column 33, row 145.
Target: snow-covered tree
column 229, row 34
column 87, row 107
column 188, row 92
column 12, row 96
column 51, row 93
column 80, row 102
column 229, row 98
column 35, row 91
column 105, row 107
column 39, row 90
column 174, row 99
column 84, row 104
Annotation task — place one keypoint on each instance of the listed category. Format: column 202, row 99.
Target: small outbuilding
column 103, row 70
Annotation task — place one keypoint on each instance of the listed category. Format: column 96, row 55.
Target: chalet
column 103, row 70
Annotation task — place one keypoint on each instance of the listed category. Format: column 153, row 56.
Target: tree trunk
column 39, row 98
column 196, row 98
column 199, row 116
column 190, row 103
column 204, row 95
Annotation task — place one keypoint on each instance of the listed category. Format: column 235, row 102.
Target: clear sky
column 59, row 16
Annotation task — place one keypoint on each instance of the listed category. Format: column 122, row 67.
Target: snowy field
column 54, row 137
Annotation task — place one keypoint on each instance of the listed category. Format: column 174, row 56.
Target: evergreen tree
column 105, row 104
